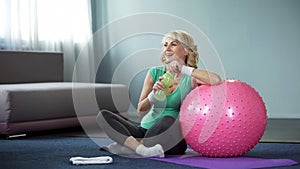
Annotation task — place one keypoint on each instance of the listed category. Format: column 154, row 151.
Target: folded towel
column 91, row 160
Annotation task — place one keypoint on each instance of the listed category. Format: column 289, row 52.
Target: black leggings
column 165, row 132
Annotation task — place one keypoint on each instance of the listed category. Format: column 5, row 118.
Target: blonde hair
column 186, row 40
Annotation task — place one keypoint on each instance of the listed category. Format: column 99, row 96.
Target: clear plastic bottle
column 167, row 81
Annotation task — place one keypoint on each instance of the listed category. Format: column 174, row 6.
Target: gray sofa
column 34, row 96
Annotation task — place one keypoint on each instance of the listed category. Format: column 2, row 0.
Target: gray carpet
column 54, row 152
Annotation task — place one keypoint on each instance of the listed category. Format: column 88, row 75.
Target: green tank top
column 171, row 106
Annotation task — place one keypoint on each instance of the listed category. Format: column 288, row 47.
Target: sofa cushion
column 40, row 101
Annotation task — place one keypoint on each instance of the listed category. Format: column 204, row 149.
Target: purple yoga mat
column 226, row 163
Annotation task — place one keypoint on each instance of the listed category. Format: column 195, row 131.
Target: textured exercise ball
column 224, row 120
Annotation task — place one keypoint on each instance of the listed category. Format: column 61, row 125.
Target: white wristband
column 151, row 97
column 186, row 70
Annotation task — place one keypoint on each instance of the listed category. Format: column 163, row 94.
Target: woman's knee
column 103, row 118
column 105, row 114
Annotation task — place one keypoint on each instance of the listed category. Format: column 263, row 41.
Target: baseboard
column 284, row 116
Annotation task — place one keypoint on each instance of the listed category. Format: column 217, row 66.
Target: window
column 30, row 24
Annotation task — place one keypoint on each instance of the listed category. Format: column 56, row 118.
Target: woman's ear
column 186, row 52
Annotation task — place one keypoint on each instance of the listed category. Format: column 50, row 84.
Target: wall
column 257, row 42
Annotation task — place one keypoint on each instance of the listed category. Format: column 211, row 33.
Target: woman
column 159, row 132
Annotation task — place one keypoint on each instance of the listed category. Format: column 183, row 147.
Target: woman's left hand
column 175, row 66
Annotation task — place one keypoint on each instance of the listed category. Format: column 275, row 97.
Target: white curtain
column 46, row 25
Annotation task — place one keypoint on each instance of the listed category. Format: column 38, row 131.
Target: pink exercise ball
column 224, row 120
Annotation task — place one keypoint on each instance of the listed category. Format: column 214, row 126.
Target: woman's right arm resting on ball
column 144, row 104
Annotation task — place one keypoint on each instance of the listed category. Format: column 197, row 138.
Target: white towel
column 91, row 160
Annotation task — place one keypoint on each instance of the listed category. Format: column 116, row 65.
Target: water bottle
column 167, row 81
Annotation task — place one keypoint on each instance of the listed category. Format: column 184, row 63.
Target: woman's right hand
column 158, row 85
